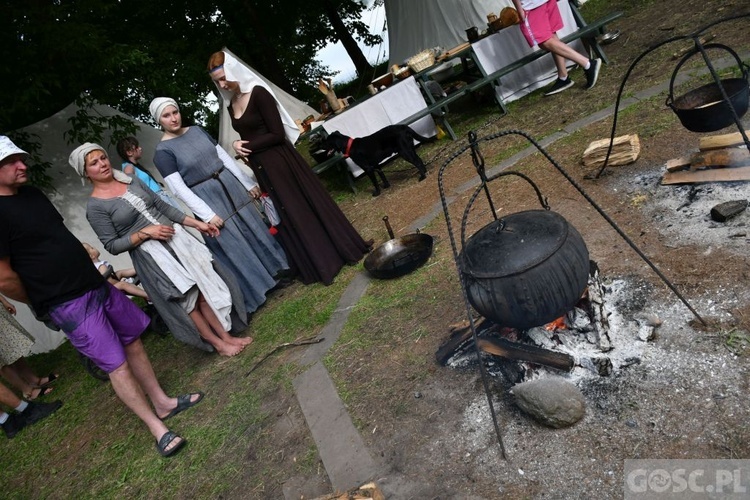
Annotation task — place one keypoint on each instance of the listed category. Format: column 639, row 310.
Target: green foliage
column 125, row 53
column 736, row 341
column 38, row 167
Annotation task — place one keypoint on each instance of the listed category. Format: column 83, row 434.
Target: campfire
column 577, row 343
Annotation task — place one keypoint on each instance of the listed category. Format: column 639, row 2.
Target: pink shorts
column 100, row 323
column 541, row 23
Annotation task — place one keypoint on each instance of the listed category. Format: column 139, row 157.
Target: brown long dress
column 315, row 233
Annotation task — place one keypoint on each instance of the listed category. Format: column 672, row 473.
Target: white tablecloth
column 387, row 107
column 508, row 45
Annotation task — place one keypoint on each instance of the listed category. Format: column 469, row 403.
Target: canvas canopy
column 416, row 25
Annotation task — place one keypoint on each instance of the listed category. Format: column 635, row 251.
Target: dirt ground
column 685, row 396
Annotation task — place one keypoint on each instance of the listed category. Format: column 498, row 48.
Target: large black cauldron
column 525, row 269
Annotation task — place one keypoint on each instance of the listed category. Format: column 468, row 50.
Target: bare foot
column 37, row 392
column 243, row 341
column 227, row 349
column 45, row 381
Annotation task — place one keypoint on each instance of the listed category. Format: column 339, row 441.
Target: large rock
column 552, row 401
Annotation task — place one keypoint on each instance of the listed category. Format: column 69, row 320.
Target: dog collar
column 348, row 147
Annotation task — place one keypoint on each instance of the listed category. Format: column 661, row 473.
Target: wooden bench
column 337, row 162
column 588, row 32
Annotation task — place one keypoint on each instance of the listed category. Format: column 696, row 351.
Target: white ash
column 683, row 212
column 627, row 313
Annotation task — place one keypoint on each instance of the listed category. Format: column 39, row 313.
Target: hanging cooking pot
column 704, row 109
column 525, row 269
column 398, row 256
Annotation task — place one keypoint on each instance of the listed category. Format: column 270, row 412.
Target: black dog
column 369, row 151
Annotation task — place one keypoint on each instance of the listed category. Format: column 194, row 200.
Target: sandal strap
column 166, row 439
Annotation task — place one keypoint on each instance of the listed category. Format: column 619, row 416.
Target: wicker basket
column 421, row 61
column 403, row 73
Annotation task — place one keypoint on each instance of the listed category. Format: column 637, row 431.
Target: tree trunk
column 361, row 64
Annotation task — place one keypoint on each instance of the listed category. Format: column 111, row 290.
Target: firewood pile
column 720, row 158
column 625, row 150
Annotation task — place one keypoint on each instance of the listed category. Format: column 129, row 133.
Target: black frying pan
column 398, row 256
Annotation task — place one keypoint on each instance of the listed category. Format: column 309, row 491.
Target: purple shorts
column 541, row 23
column 100, row 323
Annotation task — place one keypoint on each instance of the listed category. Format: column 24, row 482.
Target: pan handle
column 388, row 227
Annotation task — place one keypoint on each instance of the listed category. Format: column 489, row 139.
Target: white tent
column 70, row 195
column 416, row 25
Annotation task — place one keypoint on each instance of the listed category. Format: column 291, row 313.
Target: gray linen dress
column 245, row 246
column 114, row 220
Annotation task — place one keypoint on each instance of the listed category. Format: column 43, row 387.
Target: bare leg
column 215, row 324
column 23, row 369
column 129, row 391
column 562, row 70
column 143, row 372
column 8, row 398
column 207, row 334
column 15, row 379
column 18, row 377
column 561, row 51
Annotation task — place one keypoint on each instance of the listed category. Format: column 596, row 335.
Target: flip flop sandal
column 162, row 445
column 43, row 391
column 183, row 403
column 50, row 378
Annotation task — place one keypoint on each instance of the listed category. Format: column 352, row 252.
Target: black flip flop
column 163, row 443
column 43, row 391
column 50, row 378
column 183, row 403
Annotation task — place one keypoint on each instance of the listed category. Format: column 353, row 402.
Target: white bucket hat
column 7, row 148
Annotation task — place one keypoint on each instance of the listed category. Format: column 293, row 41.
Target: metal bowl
column 608, row 37
column 399, row 256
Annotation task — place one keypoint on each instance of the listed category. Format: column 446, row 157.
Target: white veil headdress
column 236, row 71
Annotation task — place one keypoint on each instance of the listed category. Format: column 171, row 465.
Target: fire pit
column 568, row 280
column 578, row 344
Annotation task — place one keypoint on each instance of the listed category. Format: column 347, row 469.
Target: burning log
column 489, row 342
column 524, row 352
column 460, row 335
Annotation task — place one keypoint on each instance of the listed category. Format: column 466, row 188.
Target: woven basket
column 403, row 73
column 421, row 61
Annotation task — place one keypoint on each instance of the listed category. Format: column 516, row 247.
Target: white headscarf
column 157, row 106
column 236, row 71
column 77, row 160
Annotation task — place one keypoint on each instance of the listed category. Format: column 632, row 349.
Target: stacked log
column 625, row 150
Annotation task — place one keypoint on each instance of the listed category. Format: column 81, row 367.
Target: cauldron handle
column 743, row 67
column 388, row 227
column 542, row 200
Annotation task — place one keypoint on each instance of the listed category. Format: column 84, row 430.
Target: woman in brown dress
column 317, row 236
